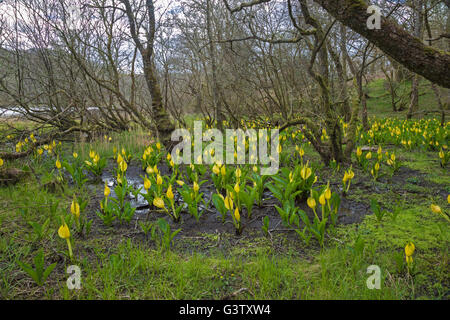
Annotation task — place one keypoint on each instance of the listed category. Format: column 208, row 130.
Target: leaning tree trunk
column 393, row 40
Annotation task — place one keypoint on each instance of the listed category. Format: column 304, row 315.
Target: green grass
column 379, row 103
column 154, row 275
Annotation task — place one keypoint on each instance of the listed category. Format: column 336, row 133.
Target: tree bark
column 212, row 53
column 163, row 124
column 414, row 103
column 393, row 40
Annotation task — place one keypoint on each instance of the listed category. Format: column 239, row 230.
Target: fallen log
column 11, row 176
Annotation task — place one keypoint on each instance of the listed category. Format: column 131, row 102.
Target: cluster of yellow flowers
column 218, row 168
column 147, row 153
column 48, row 147
column 407, row 133
column 323, row 199
column 94, row 156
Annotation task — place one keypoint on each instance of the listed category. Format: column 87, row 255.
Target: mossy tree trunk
column 393, row 40
column 161, row 119
column 414, row 103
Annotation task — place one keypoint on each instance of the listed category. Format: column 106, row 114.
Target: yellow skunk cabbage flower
column 149, row 170
column 328, row 193
column 409, row 260
column 169, row 193
column 106, row 191
column 228, row 203
column 75, row 155
column 322, row 199
column 180, row 183
column 92, row 154
column 359, row 152
column 238, row 173
column 1, row 162
column 301, row 152
column 348, row 175
column 75, row 208
column 436, row 208
column 169, row 157
column 158, row 146
column 64, row 232
column 351, row 174
column 40, row 151
column 58, row 164
column 305, row 173
column 159, row 203
column 147, row 184
column 409, row 249
column 123, row 166
column 369, row 156
column 216, row 169
column 312, row 203
column 196, row 187
column 119, row 159
column 448, row 198
column 223, row 171
column 237, row 216
column 159, row 180
column 237, row 188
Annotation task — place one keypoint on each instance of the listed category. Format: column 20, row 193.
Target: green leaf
column 48, row 271
column 375, row 206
